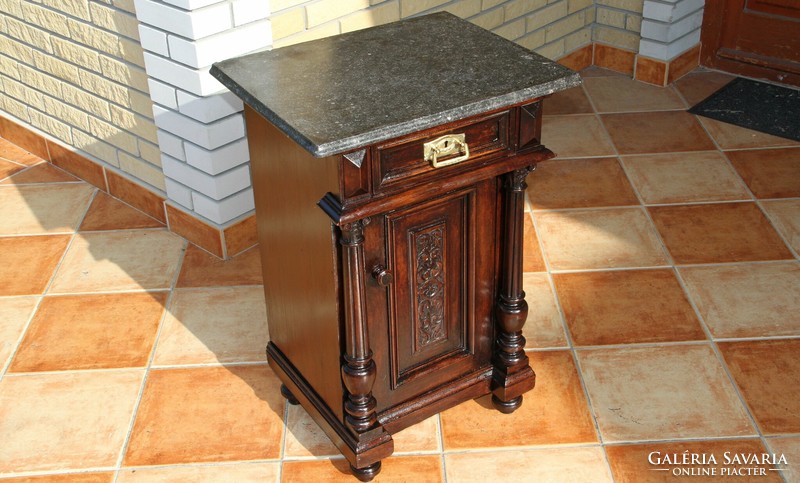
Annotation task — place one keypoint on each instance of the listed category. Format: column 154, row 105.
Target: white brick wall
column 218, row 160
column 670, row 27
column 201, row 130
column 225, row 209
column 193, row 24
column 207, row 109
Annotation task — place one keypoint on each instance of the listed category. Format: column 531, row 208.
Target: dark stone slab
column 341, row 93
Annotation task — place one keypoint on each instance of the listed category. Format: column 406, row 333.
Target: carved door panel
column 435, row 316
column 758, row 38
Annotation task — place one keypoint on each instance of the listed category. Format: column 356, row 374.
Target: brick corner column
column 201, row 129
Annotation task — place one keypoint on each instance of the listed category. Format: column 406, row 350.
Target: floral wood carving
column 429, row 287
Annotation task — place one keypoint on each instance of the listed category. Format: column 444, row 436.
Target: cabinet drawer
column 403, row 161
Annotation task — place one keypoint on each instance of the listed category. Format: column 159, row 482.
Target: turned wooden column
column 358, row 369
column 512, row 375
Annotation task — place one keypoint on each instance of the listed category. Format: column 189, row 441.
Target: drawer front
column 403, row 162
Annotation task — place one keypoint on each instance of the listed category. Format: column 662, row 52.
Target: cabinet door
column 433, row 323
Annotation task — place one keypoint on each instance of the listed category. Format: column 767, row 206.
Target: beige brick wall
column 619, row 23
column 74, row 69
column 551, row 27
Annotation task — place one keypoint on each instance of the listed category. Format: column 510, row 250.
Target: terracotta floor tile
column 684, row 177
column 214, row 325
column 66, row 478
column 542, row 465
column 421, row 437
column 47, row 208
column 631, row 463
column 625, row 307
column 604, row 93
column 751, row 300
column 555, row 412
column 65, row 421
column 108, row 213
column 304, row 437
column 42, row 173
column 767, row 373
column 730, row 136
column 656, row 393
column 91, row 332
column 785, row 217
column 532, row 260
column 233, row 473
column 570, row 101
column 543, row 327
column 790, row 449
column 208, row 414
column 696, row 86
column 613, row 238
column 12, row 152
column 15, row 312
column 716, row 233
column 656, row 132
column 120, row 260
column 580, row 183
column 576, row 136
column 770, row 173
column 27, row 263
column 201, row 269
column 422, row 469
column 7, row 168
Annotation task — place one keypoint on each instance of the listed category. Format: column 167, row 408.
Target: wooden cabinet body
column 393, row 288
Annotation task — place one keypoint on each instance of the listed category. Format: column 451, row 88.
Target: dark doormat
column 755, row 105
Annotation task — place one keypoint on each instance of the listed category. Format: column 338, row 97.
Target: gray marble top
column 342, row 93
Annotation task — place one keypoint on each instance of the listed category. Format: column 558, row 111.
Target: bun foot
column 285, row 392
column 506, row 407
column 366, row 473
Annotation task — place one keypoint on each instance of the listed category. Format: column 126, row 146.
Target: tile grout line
column 571, row 344
column 510, row 449
column 760, row 206
column 780, row 234
column 21, row 337
column 137, row 404
column 706, row 329
column 45, row 291
column 144, row 290
column 549, row 269
column 662, row 244
column 284, row 434
column 24, row 168
column 157, row 367
column 440, row 441
column 721, row 361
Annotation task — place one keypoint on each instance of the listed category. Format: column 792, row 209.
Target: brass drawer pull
column 445, row 146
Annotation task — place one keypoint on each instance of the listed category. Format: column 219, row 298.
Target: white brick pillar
column 670, row 27
column 201, row 129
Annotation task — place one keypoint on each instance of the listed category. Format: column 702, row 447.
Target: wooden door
column 432, row 323
column 754, row 38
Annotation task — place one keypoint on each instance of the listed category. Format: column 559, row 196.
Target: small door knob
column 382, row 276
